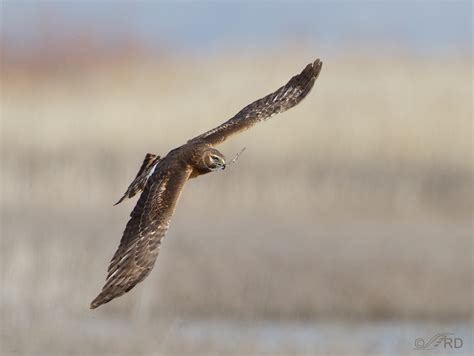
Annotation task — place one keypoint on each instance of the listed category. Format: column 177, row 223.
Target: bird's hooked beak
column 221, row 165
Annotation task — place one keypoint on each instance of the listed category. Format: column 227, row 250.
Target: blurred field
column 355, row 205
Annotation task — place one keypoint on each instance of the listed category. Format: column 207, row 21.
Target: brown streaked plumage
column 163, row 179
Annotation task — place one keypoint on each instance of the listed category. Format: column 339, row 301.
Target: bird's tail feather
column 145, row 171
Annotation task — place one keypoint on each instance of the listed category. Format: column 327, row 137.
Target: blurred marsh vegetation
column 355, row 204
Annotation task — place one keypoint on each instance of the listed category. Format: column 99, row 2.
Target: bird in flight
column 161, row 181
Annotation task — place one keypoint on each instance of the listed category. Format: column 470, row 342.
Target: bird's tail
column 145, row 171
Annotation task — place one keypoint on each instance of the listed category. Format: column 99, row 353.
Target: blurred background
column 344, row 228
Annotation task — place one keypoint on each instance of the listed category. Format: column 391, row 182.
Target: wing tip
column 309, row 74
column 95, row 303
column 104, row 297
column 316, row 66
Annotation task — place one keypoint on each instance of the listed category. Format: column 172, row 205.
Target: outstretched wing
column 145, row 172
column 281, row 100
column 141, row 239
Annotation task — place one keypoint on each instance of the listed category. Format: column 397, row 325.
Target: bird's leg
column 236, row 157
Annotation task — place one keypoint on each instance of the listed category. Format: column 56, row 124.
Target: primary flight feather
column 161, row 181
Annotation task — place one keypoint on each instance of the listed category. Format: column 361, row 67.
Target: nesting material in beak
column 236, row 157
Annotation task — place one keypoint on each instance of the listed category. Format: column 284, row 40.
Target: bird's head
column 214, row 160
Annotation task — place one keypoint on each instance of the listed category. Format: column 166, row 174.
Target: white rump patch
column 152, row 170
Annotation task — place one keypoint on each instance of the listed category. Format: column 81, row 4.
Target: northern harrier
column 163, row 179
